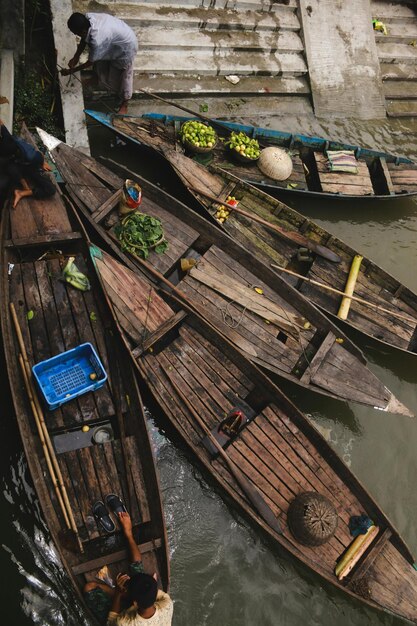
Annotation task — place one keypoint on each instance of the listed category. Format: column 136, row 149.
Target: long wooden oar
column 341, row 293
column 293, row 236
column 51, row 460
column 183, row 108
column 247, row 487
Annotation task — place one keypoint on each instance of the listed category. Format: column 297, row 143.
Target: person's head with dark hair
column 142, row 590
column 78, row 24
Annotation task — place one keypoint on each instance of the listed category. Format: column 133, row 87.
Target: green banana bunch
column 74, row 277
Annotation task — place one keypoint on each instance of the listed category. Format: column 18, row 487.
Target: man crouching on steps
column 112, row 50
column 137, row 591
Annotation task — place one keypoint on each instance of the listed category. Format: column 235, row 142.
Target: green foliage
column 34, row 100
column 138, row 233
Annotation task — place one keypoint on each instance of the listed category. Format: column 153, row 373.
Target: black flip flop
column 114, row 503
column 102, row 517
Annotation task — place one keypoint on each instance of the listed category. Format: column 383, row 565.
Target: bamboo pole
column 341, row 293
column 66, row 506
column 343, row 311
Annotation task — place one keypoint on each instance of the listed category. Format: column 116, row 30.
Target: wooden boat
column 391, row 316
column 232, row 289
column 268, row 457
column 75, row 471
column 380, row 175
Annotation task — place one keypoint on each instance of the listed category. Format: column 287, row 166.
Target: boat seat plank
column 42, row 239
column 343, row 182
column 107, row 206
column 109, row 559
column 319, row 357
column 403, row 176
column 159, row 333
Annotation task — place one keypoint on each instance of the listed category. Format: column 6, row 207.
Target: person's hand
column 73, row 62
column 125, row 522
column 121, row 583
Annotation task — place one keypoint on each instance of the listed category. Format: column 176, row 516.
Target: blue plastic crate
column 67, row 375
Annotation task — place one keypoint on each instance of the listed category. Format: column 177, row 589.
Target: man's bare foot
column 46, row 167
column 19, row 194
column 123, row 108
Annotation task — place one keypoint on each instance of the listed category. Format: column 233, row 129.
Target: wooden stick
column 66, row 509
column 249, row 489
column 292, row 236
column 341, row 293
column 221, row 125
column 43, row 442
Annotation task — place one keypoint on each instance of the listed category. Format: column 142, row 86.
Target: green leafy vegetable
column 139, row 233
column 93, row 316
column 30, row 315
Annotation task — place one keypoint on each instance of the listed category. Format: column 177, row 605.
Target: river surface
column 223, row 572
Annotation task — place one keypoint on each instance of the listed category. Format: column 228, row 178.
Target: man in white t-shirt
column 112, row 50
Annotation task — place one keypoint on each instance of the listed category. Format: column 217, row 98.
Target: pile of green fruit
column 199, row 135
column 244, row 145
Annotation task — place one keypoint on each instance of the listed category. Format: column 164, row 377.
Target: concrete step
column 402, row 108
column 210, row 85
column 398, row 33
column 140, row 16
column 247, row 109
column 393, row 11
column 184, row 39
column 397, row 53
column 219, row 62
column 280, row 7
column 392, row 71
column 7, row 87
column 400, row 90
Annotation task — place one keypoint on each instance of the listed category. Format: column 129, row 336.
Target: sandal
column 114, row 503
column 102, row 517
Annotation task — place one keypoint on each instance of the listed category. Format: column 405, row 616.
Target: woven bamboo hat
column 312, row 518
column 275, row 163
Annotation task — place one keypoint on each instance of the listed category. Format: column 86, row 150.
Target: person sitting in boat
column 136, row 600
column 20, row 162
column 112, row 50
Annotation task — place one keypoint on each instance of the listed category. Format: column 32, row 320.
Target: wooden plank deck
column 403, row 177
column 359, row 184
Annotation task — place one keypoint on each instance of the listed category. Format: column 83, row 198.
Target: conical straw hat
column 275, row 163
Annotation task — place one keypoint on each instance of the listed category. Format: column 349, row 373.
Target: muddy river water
column 223, row 572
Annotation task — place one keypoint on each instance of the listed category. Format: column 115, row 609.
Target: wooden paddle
column 248, row 488
column 292, row 236
column 183, row 108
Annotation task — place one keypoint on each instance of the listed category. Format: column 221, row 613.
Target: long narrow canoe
column 37, row 238
column 197, row 377
column 392, row 316
column 380, row 175
column 259, row 312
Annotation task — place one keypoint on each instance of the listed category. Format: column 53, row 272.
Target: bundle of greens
column 72, row 275
column 139, row 233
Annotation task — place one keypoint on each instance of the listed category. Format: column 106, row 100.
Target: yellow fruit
column 93, row 376
column 85, row 429
column 259, row 290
